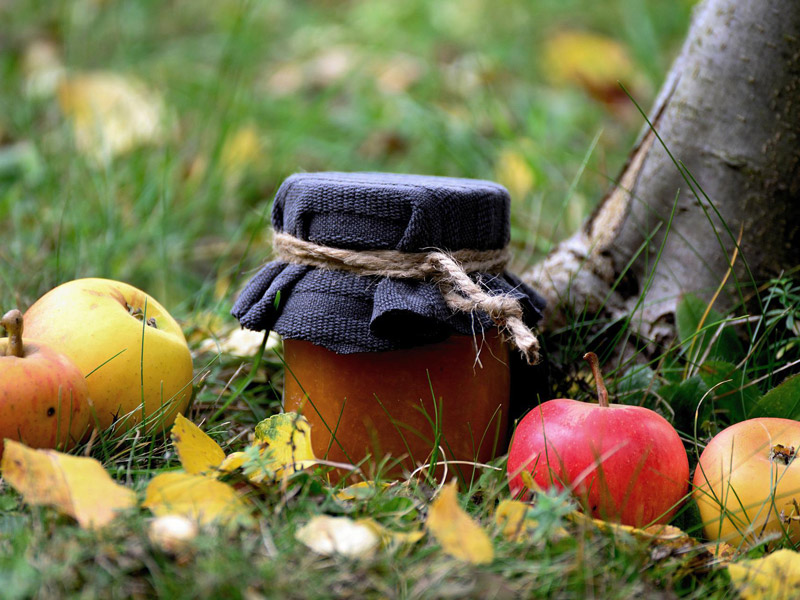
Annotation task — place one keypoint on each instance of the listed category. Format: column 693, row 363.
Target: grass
column 188, row 223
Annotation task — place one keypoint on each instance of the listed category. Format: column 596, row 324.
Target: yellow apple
column 43, row 396
column 747, row 482
column 131, row 351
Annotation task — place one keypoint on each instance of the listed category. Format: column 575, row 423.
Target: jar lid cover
column 346, row 312
column 410, row 213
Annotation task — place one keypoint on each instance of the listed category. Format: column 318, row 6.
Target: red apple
column 623, row 463
column 43, row 395
column 747, row 479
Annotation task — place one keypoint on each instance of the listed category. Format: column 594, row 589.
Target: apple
column 44, row 399
column 623, row 463
column 747, row 483
column 131, row 351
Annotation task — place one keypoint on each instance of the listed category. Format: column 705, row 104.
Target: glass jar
column 379, row 356
column 430, row 403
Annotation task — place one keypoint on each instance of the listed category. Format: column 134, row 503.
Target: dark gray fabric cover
column 349, row 313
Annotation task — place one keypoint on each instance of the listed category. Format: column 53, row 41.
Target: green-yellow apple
column 747, row 482
column 131, row 351
column 43, row 395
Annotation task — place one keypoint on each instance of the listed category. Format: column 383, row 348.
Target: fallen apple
column 623, row 463
column 43, row 395
column 131, row 351
column 747, row 482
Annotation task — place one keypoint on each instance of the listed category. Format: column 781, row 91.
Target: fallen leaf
column 286, row 443
column 381, row 144
column 198, row 453
column 338, row 535
column 529, row 482
column 455, row 531
column 391, row 539
column 667, row 541
column 664, row 532
column 285, row 80
column 512, row 516
column 514, row 172
column 774, row 577
column 282, row 447
column 42, row 68
column 234, row 461
column 654, row 532
column 363, row 490
column 330, row 66
column 111, row 114
column 198, row 497
column 397, row 74
column 240, row 151
column 468, row 72
column 76, row 486
column 594, row 62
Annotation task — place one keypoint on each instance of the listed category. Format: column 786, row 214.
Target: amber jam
column 380, row 406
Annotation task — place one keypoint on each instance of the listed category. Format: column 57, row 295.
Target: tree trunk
column 730, row 112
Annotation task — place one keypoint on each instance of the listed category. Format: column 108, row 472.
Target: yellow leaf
column 663, row 532
column 338, row 535
column 656, row 532
column 76, row 486
column 198, row 452
column 282, row 446
column 397, row 74
column 111, row 114
column 286, row 444
column 391, row 539
column 664, row 541
column 513, row 171
column 529, row 482
column 594, row 62
column 198, row 497
column 515, row 524
column 361, row 490
column 455, row 531
column 240, row 151
column 233, row 462
column 42, row 68
column 510, row 517
column 774, row 577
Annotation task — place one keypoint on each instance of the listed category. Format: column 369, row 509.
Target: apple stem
column 12, row 322
column 602, row 392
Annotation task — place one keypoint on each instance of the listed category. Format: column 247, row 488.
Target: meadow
column 226, row 99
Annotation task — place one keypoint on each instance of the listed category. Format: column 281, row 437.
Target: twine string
column 449, row 270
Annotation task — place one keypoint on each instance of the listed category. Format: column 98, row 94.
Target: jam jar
column 378, row 286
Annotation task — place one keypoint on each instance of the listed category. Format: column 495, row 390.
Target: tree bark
column 730, row 112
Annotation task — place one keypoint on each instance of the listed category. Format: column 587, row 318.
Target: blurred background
column 143, row 140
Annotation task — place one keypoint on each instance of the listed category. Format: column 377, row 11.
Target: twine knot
column 449, row 270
